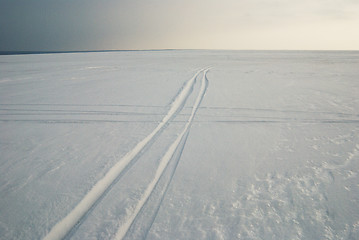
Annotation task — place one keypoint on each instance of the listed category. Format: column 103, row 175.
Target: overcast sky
column 59, row 25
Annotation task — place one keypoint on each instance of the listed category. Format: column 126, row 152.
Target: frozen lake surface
column 180, row 144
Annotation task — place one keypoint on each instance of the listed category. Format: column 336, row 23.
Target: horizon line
column 20, row 52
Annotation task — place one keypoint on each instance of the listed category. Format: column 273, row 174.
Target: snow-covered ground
column 180, row 145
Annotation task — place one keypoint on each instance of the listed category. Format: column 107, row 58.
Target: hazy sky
column 47, row 25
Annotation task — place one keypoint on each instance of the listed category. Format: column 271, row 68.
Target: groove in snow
column 62, row 228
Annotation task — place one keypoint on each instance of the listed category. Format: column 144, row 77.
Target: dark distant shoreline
column 80, row 51
column 155, row 50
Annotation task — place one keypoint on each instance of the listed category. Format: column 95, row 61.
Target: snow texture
column 156, row 145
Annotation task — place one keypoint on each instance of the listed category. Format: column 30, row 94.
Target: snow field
column 269, row 149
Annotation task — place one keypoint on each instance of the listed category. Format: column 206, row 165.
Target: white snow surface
column 180, row 144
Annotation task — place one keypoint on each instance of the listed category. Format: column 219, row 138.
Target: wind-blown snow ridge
column 62, row 228
column 122, row 231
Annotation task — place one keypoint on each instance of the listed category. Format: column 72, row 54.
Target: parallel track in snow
column 178, row 143
column 97, row 192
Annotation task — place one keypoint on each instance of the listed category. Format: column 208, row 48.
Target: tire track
column 74, row 218
column 123, row 230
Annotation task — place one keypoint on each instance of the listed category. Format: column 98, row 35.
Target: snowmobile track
column 65, row 227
